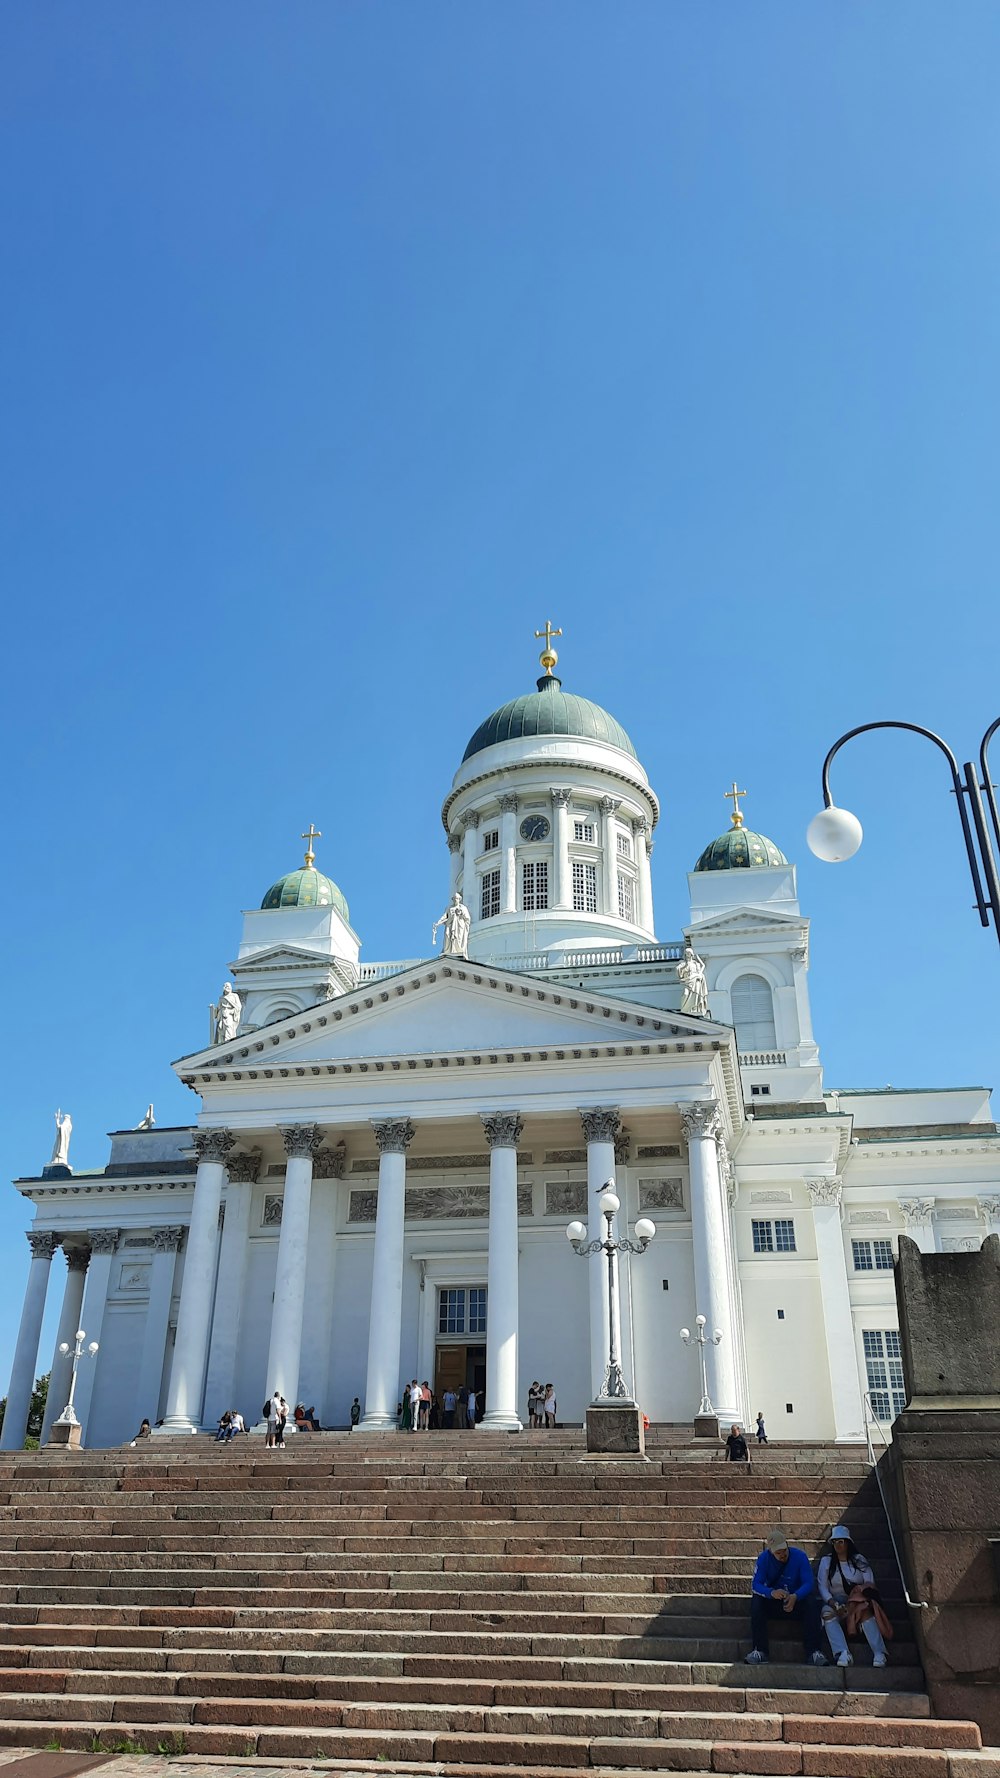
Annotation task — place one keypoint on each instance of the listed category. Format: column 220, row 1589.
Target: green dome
column 305, row 888
column 739, row 849
column 549, row 711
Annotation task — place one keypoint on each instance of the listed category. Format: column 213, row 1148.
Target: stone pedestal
column 616, row 1427
column 706, row 1426
column 65, row 1434
column 944, row 1472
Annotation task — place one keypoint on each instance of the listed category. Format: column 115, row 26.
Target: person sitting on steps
column 783, row 1584
column 843, row 1571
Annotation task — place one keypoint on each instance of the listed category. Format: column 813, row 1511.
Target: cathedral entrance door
column 456, row 1365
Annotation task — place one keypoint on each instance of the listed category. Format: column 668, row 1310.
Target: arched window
column 753, row 1013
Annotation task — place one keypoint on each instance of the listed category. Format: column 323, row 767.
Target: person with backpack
column 850, row 1600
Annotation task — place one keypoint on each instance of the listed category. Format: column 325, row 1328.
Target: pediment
column 452, row 1008
column 746, row 919
column 275, row 957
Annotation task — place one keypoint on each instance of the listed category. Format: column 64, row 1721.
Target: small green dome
column 739, row 849
column 549, row 711
column 305, row 888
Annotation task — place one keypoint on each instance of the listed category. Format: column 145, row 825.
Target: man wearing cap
column 783, row 1584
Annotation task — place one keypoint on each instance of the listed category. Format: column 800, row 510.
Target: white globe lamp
column 834, row 834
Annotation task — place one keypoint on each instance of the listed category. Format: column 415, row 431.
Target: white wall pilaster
column 60, row 1376
column 455, row 860
column 918, row 1215
column 23, row 1371
column 601, row 1125
column 702, row 1123
column 187, row 1374
column 103, row 1245
column 285, row 1349
column 503, row 1132
column 166, row 1242
column 508, row 852
column 386, row 1316
column 845, row 1385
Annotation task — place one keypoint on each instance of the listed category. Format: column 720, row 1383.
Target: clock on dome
column 534, row 827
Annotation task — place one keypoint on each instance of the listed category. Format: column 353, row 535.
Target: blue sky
column 344, row 344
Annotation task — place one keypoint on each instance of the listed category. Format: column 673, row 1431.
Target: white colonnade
column 845, row 1385
column 503, row 1132
column 393, row 1136
column 702, row 1122
column 187, row 1374
column 22, row 1377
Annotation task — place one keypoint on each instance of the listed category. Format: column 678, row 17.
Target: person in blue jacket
column 783, row 1584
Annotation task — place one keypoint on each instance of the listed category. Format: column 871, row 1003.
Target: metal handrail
column 870, row 1415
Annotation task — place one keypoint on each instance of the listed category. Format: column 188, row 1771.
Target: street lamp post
column 614, row 1421
column 701, row 1340
column 835, row 834
column 67, row 1429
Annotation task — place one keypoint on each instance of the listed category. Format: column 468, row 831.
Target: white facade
column 383, row 1161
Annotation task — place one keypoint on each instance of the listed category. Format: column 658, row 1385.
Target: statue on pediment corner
column 457, row 923
column 227, row 1014
column 692, row 975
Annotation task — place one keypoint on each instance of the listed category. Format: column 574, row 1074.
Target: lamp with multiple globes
column 68, row 1415
column 614, row 1387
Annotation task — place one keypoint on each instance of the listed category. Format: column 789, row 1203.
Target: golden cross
column 735, row 795
column 313, row 834
column 548, row 656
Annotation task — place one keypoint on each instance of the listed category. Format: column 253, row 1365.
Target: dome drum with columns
column 383, row 1156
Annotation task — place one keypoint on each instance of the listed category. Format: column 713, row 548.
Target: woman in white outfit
column 841, row 1568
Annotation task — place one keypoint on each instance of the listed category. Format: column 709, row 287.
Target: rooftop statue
column 691, row 974
column 457, row 923
column 60, row 1147
column 227, row 1014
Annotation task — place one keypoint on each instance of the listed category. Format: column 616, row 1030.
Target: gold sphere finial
column 548, row 657
column 737, row 811
column 313, row 834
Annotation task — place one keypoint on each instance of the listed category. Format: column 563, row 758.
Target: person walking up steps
column 761, row 1434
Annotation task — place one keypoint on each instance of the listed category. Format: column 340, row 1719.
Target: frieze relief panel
column 439, row 1163
column 134, row 1277
column 661, row 1194
column 662, row 1151
column 271, row 1214
column 780, row 1196
column 566, row 1199
column 868, row 1216
column 437, row 1203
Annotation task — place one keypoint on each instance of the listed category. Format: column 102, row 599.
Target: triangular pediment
column 745, row 919
column 283, row 957
column 452, row 1008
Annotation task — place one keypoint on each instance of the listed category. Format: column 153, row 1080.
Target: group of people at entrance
column 542, row 1406
column 841, row 1598
column 421, row 1410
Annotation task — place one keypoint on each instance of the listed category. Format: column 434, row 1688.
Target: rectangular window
column 491, row 840
column 477, row 1310
column 534, row 886
column 872, row 1256
column 884, row 1366
column 583, row 832
column 624, row 846
column 451, row 1311
column 584, row 888
column 774, row 1237
column 626, row 898
column 490, row 904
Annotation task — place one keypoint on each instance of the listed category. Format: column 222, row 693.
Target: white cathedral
column 386, row 1155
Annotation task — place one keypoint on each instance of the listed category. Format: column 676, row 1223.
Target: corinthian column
column 455, row 849
column 643, row 849
column 284, row 1352
column 22, row 1376
column 232, row 1312
column 562, row 887
column 187, row 1374
column 166, row 1244
column 393, row 1136
column 70, row 1319
column 609, row 854
column 103, row 1247
column 508, row 852
column 702, row 1124
column 470, row 824
column 601, row 1129
column 503, row 1132
column 918, row 1216
column 845, row 1385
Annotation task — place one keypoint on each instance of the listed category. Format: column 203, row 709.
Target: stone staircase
column 443, row 1603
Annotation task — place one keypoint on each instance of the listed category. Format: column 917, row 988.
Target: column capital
column 989, row 1207
column 470, row 818
column 329, row 1163
column 641, row 825
column 623, row 1147
column 454, row 842
column 393, row 1135
column 701, row 1118
column 103, row 1240
column 213, row 1145
column 916, row 1211
column 727, row 1172
column 167, row 1240
column 560, row 797
column 42, row 1242
column 301, row 1140
column 503, row 1128
column 601, row 1123
column 77, row 1258
column 244, row 1168
column 508, row 803
column 825, row 1192
column 609, row 804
